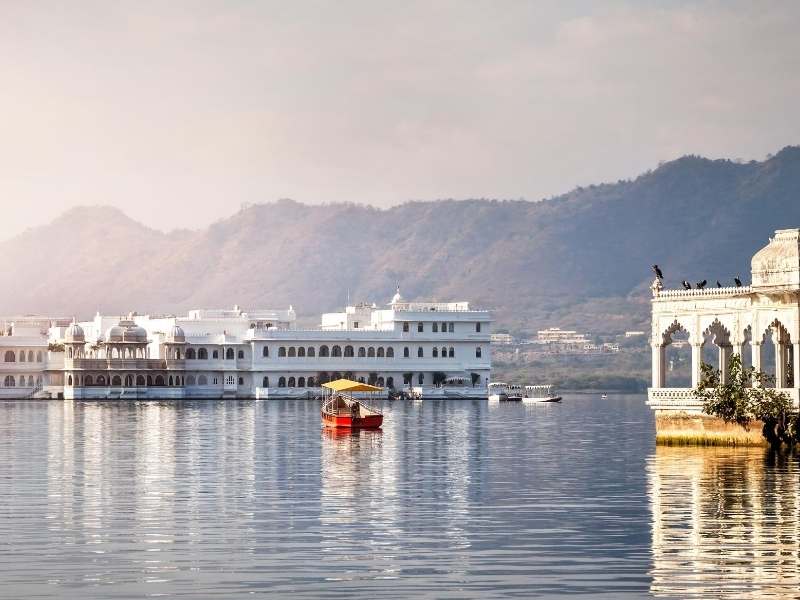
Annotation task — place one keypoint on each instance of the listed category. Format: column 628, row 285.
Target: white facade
column 442, row 348
column 732, row 318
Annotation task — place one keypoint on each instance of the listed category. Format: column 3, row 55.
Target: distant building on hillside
column 630, row 334
column 501, row 338
column 556, row 335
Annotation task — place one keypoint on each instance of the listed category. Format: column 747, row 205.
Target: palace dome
column 777, row 265
column 397, row 298
column 176, row 334
column 134, row 333
column 114, row 334
column 74, row 333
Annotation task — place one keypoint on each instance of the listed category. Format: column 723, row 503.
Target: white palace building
column 760, row 322
column 432, row 348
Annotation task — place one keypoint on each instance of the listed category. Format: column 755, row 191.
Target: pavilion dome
column 777, row 265
column 134, row 333
column 74, row 333
column 115, row 333
column 176, row 334
column 397, row 298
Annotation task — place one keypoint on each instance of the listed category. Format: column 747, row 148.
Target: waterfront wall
column 690, row 428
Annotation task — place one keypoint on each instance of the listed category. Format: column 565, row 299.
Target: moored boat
column 541, row 393
column 340, row 408
column 505, row 392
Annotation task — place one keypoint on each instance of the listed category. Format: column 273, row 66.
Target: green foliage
column 745, row 397
column 54, row 347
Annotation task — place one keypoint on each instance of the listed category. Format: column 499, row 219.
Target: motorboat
column 541, row 393
column 342, row 408
column 505, row 392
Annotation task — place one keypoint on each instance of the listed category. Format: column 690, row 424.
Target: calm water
column 451, row 500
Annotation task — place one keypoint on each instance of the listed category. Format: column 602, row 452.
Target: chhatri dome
column 176, row 334
column 397, row 298
column 74, row 333
column 777, row 265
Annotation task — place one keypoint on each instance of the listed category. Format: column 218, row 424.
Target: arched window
column 149, row 380
column 265, row 351
column 202, row 354
column 292, row 352
column 282, row 352
column 291, row 382
column 301, row 352
column 101, row 380
column 229, row 354
column 190, row 380
column 420, row 327
column 310, row 382
column 140, row 380
column 323, row 351
column 405, row 327
column 390, row 352
column 348, row 351
column 301, row 382
column 380, row 352
column 38, row 357
column 30, row 355
column 390, row 382
column 240, row 354
column 9, row 381
column 477, row 327
column 241, row 380
column 116, row 380
column 336, row 351
column 282, row 382
column 444, row 352
column 452, row 353
column 202, row 380
column 406, row 352
column 30, row 380
column 88, row 380
column 159, row 380
column 420, row 353
column 310, row 352
column 478, row 352
column 444, row 327
column 362, row 352
column 215, row 354
column 265, row 382
column 190, row 354
column 22, row 356
column 451, row 327
column 170, row 381
column 128, row 380
column 421, row 378
column 371, row 352
column 435, row 328
column 435, row 352
column 380, row 382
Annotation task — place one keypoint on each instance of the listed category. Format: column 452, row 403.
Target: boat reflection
column 725, row 523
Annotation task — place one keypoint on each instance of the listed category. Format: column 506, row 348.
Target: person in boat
column 354, row 408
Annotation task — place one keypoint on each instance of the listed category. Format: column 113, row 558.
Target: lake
column 452, row 499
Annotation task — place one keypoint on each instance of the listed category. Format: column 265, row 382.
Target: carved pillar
column 659, row 352
column 780, row 359
column 756, row 348
column 697, row 361
column 725, row 352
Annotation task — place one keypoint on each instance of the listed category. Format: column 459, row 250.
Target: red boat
column 341, row 409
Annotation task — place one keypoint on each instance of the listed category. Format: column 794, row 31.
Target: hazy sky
column 179, row 112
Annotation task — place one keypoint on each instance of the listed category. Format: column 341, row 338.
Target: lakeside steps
column 731, row 319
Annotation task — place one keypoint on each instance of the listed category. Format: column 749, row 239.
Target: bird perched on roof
column 737, row 281
column 658, row 272
column 701, row 284
column 686, row 285
column 718, row 283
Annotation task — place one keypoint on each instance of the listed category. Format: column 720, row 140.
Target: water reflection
column 725, row 523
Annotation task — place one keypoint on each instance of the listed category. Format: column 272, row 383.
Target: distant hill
column 582, row 259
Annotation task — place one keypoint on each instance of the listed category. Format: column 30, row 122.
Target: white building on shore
column 437, row 349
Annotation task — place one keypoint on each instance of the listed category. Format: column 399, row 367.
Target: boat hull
column 548, row 399
column 365, row 422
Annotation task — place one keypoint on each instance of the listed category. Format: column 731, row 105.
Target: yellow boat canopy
column 345, row 385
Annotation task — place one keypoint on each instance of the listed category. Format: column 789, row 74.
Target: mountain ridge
column 577, row 260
